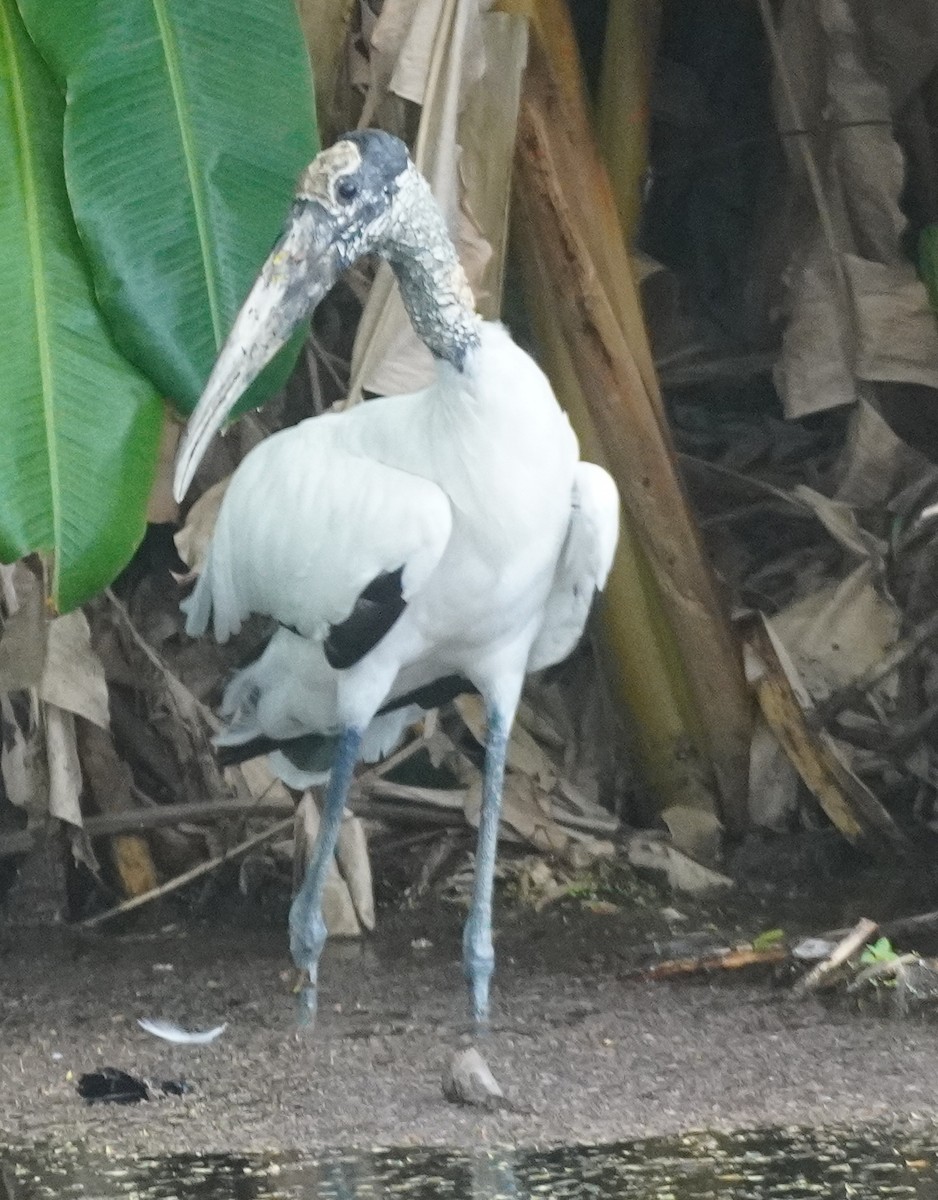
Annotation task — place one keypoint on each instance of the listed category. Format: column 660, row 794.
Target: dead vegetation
column 768, row 653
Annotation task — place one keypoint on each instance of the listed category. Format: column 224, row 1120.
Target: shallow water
column 759, row 1165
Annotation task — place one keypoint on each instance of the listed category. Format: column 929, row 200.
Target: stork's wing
column 320, row 538
column 289, row 691
column 284, row 704
column 583, row 568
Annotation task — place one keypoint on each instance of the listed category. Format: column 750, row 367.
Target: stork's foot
column 307, row 1001
column 468, row 1080
column 307, row 939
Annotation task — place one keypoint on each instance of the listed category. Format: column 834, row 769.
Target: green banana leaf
column 188, row 123
column 79, row 427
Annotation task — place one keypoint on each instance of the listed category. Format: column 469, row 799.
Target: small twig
column 893, row 738
column 729, row 959
column 406, row 813
column 179, row 881
column 312, row 372
column 851, row 692
column 448, row 798
column 433, row 865
column 172, row 679
column 154, row 816
column 396, row 845
column 381, row 768
column 327, row 359
column 421, row 815
column 848, row 946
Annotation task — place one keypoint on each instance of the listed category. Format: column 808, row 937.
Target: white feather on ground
column 175, row 1033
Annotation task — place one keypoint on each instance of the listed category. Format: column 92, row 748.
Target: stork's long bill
column 325, row 231
column 300, row 270
column 361, row 194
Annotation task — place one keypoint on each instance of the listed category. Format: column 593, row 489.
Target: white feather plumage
column 471, row 489
column 473, row 486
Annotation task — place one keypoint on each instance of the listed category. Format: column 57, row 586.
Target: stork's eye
column 346, row 189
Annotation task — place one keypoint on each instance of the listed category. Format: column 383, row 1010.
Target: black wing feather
column 313, row 751
column 433, row 695
column 307, row 752
column 375, row 611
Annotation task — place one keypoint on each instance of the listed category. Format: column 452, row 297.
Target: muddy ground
column 585, row 1051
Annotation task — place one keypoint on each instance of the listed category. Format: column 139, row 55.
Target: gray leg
column 478, row 951
column 307, row 928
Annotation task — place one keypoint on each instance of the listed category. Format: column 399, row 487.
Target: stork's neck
column 433, row 284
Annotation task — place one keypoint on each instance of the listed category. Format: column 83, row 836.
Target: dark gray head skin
column 349, row 190
column 363, row 195
column 368, row 195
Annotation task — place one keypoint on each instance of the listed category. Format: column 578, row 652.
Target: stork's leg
column 307, row 928
column 478, row 951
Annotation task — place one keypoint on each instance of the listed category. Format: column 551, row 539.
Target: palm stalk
column 622, row 104
column 570, row 210
column 640, row 659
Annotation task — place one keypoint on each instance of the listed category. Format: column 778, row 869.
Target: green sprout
column 880, row 951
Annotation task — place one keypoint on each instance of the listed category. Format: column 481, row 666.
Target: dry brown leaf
column 325, row 25
column 694, row 831
column 773, row 780
column 538, row 885
column 23, row 629
column 254, row 780
column 853, row 319
column 161, row 506
column 351, row 853
column 875, row 464
column 840, row 520
column 40, row 763
column 73, row 678
column 63, row 764
column 192, row 541
column 444, row 72
column 836, row 633
column 487, row 131
column 181, row 724
column 683, row 873
column 23, row 761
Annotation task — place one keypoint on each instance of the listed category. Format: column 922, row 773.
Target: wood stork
column 408, row 546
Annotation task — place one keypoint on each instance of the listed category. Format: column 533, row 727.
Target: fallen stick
column 745, row 955
column 729, row 959
column 24, row 840
column 419, row 807
column 900, row 927
column 154, row 817
column 848, row 946
column 179, row 881
column 851, row 805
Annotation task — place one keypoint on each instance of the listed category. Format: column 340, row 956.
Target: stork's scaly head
column 363, row 195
